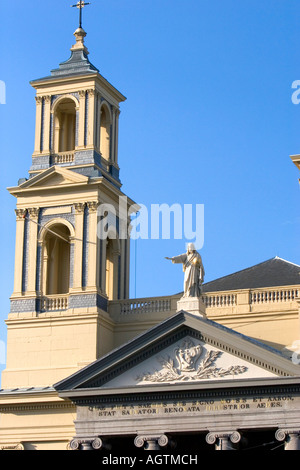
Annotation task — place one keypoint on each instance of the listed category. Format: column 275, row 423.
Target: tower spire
column 80, row 5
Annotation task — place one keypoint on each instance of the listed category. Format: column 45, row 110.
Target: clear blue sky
column 208, row 120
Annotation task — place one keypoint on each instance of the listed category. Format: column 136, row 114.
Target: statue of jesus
column 193, row 271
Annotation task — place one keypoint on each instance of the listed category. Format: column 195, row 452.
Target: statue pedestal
column 192, row 305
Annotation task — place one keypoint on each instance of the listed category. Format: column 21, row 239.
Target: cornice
column 68, row 316
column 17, row 191
column 77, row 78
column 36, row 407
column 32, row 399
column 204, row 390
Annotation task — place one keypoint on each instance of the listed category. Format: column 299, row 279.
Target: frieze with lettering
column 193, row 407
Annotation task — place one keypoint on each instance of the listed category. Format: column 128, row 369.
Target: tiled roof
column 270, row 273
column 16, row 391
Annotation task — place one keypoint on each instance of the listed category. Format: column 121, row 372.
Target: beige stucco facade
column 55, row 329
column 45, row 348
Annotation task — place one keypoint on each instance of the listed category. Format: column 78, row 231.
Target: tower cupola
column 77, row 118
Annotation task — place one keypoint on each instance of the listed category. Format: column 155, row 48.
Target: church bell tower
column 65, row 274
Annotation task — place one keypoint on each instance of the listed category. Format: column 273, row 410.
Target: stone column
column 91, row 118
column 127, row 270
column 43, row 267
column 223, row 440
column 223, row 443
column 19, row 251
column 290, row 438
column 89, row 444
column 86, row 446
column 97, row 121
column 102, row 268
column 152, row 442
column 93, row 261
column 116, row 146
column 113, row 135
column 38, row 124
column 80, row 444
column 78, row 245
column 293, row 441
column 81, row 123
column 47, row 122
column 56, row 133
column 32, row 250
column 122, row 269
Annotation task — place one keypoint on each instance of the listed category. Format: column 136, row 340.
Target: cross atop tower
column 80, row 5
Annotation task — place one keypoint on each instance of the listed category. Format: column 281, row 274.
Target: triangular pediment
column 54, row 176
column 188, row 360
column 183, row 350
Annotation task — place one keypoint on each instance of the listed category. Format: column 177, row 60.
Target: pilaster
column 93, row 261
column 116, row 139
column 243, row 301
column 102, row 267
column 38, row 124
column 91, row 118
column 19, row 251
column 78, row 245
column 81, row 124
column 113, row 135
column 98, row 118
column 47, row 121
column 122, row 270
column 127, row 270
column 32, row 250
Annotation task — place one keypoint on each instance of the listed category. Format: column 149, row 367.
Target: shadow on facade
column 194, row 444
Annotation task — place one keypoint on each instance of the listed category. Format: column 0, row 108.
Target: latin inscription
column 194, row 407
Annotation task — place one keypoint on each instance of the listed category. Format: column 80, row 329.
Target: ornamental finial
column 80, row 5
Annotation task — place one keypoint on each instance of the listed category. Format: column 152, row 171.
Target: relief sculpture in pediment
column 190, row 362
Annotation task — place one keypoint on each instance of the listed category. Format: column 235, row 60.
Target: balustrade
column 51, row 303
column 63, row 157
column 273, row 296
column 145, row 306
column 230, row 301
